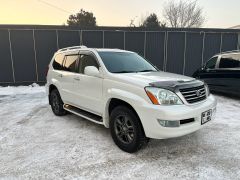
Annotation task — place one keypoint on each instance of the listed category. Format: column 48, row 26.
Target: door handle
column 76, row 78
column 60, row 75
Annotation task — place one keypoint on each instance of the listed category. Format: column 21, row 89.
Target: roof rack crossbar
column 71, row 48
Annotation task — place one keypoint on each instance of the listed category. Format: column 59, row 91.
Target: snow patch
column 35, row 144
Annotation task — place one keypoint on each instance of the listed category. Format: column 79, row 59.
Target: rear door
column 68, row 75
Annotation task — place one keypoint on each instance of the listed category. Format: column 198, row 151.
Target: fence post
column 35, row 53
column 80, row 37
column 145, row 38
column 103, row 39
column 124, row 40
column 238, row 43
column 57, row 39
column 221, row 42
column 185, row 48
column 166, row 51
column 11, row 55
column 203, row 47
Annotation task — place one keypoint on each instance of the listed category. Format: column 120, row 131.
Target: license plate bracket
column 206, row 116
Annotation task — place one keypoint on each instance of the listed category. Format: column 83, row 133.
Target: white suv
column 122, row 91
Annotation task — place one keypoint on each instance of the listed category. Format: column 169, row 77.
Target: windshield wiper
column 148, row 70
column 124, row 72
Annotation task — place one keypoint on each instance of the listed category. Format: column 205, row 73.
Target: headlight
column 207, row 90
column 162, row 96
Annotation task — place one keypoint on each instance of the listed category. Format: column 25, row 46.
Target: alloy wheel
column 124, row 129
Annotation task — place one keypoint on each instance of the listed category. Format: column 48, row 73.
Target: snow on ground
column 36, row 144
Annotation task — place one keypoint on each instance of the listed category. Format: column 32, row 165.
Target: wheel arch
column 113, row 103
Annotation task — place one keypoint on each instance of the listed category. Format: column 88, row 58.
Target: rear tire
column 126, row 129
column 56, row 103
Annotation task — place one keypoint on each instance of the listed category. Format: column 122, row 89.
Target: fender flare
column 126, row 96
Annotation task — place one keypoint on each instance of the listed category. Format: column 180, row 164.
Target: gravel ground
column 35, row 144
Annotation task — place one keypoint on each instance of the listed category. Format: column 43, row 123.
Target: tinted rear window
column 230, row 61
column 58, row 60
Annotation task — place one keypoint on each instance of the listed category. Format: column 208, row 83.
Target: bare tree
column 132, row 22
column 183, row 14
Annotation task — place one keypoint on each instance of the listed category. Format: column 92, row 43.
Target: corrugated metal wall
column 194, row 49
column 6, row 70
column 155, row 48
column 114, row 39
column 25, row 53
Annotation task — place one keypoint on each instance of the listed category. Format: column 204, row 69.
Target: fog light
column 166, row 123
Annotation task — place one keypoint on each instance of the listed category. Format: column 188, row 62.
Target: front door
column 208, row 73
column 89, row 88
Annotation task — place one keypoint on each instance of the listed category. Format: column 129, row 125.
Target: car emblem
column 198, row 93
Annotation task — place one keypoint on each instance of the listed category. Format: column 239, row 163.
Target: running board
column 84, row 114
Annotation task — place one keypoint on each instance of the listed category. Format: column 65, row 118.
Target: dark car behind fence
column 25, row 51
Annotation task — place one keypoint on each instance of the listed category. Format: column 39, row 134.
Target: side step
column 82, row 113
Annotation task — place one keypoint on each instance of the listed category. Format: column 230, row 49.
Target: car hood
column 143, row 79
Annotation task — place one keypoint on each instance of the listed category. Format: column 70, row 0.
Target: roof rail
column 230, row 51
column 71, row 48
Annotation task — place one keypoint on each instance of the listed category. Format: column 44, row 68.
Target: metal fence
column 25, row 53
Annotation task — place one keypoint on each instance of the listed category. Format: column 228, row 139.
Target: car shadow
column 169, row 148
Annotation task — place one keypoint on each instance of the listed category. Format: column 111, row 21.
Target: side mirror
column 91, row 71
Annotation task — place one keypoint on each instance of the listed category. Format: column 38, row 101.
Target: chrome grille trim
column 196, row 97
column 203, row 89
column 194, row 94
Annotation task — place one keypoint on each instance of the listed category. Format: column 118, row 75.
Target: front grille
column 194, row 94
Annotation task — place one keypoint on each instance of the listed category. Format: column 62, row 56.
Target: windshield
column 125, row 62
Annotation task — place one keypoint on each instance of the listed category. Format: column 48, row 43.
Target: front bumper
column 150, row 114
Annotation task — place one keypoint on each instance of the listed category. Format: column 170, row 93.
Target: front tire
column 56, row 103
column 126, row 129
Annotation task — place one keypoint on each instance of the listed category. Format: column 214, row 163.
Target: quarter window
column 70, row 63
column 58, row 61
column 211, row 63
column 230, row 61
column 86, row 60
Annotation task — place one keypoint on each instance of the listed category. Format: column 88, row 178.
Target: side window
column 211, row 63
column 229, row 61
column 57, row 63
column 70, row 63
column 87, row 60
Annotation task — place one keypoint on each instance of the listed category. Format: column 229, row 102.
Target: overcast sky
column 219, row 13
